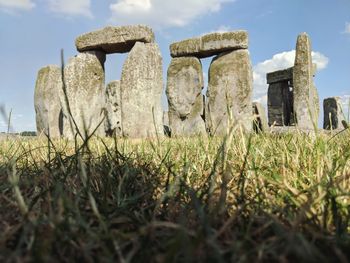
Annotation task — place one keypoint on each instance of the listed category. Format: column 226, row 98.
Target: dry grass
column 267, row 198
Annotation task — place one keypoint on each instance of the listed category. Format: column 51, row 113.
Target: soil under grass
column 242, row 198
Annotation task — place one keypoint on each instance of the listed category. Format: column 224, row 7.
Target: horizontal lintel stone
column 210, row 44
column 113, row 39
column 285, row 75
column 280, row 75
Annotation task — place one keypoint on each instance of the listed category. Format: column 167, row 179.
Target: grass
column 242, row 198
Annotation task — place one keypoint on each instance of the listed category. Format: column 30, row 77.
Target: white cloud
column 12, row 5
column 320, row 60
column 130, row 6
column 220, row 29
column 277, row 62
column 71, row 7
column 162, row 13
column 347, row 28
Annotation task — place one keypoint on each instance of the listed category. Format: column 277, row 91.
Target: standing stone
column 84, row 78
column 184, row 87
column 47, row 105
column 333, row 115
column 260, row 120
column 315, row 92
column 230, row 92
column 113, row 125
column 141, row 92
column 316, row 101
column 280, row 104
column 305, row 98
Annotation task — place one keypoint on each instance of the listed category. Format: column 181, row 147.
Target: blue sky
column 32, row 32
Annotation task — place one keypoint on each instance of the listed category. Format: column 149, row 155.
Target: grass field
column 242, row 198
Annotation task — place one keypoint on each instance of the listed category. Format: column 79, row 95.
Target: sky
column 32, row 33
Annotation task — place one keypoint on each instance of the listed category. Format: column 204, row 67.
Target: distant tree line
column 28, row 133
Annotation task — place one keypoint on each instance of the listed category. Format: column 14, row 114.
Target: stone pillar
column 305, row 93
column 184, row 87
column 280, row 104
column 230, row 92
column 84, row 79
column 141, row 92
column 280, row 97
column 113, row 125
column 260, row 120
column 46, row 101
column 333, row 115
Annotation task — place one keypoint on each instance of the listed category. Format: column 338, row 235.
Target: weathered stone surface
column 280, row 104
column 280, row 96
column 305, row 102
column 275, row 107
column 46, row 101
column 84, row 78
column 230, row 92
column 184, row 87
column 260, row 119
column 113, row 124
column 188, row 47
column 333, row 115
column 316, row 102
column 220, row 42
column 210, row 44
column 280, row 76
column 193, row 125
column 113, row 39
column 141, row 92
